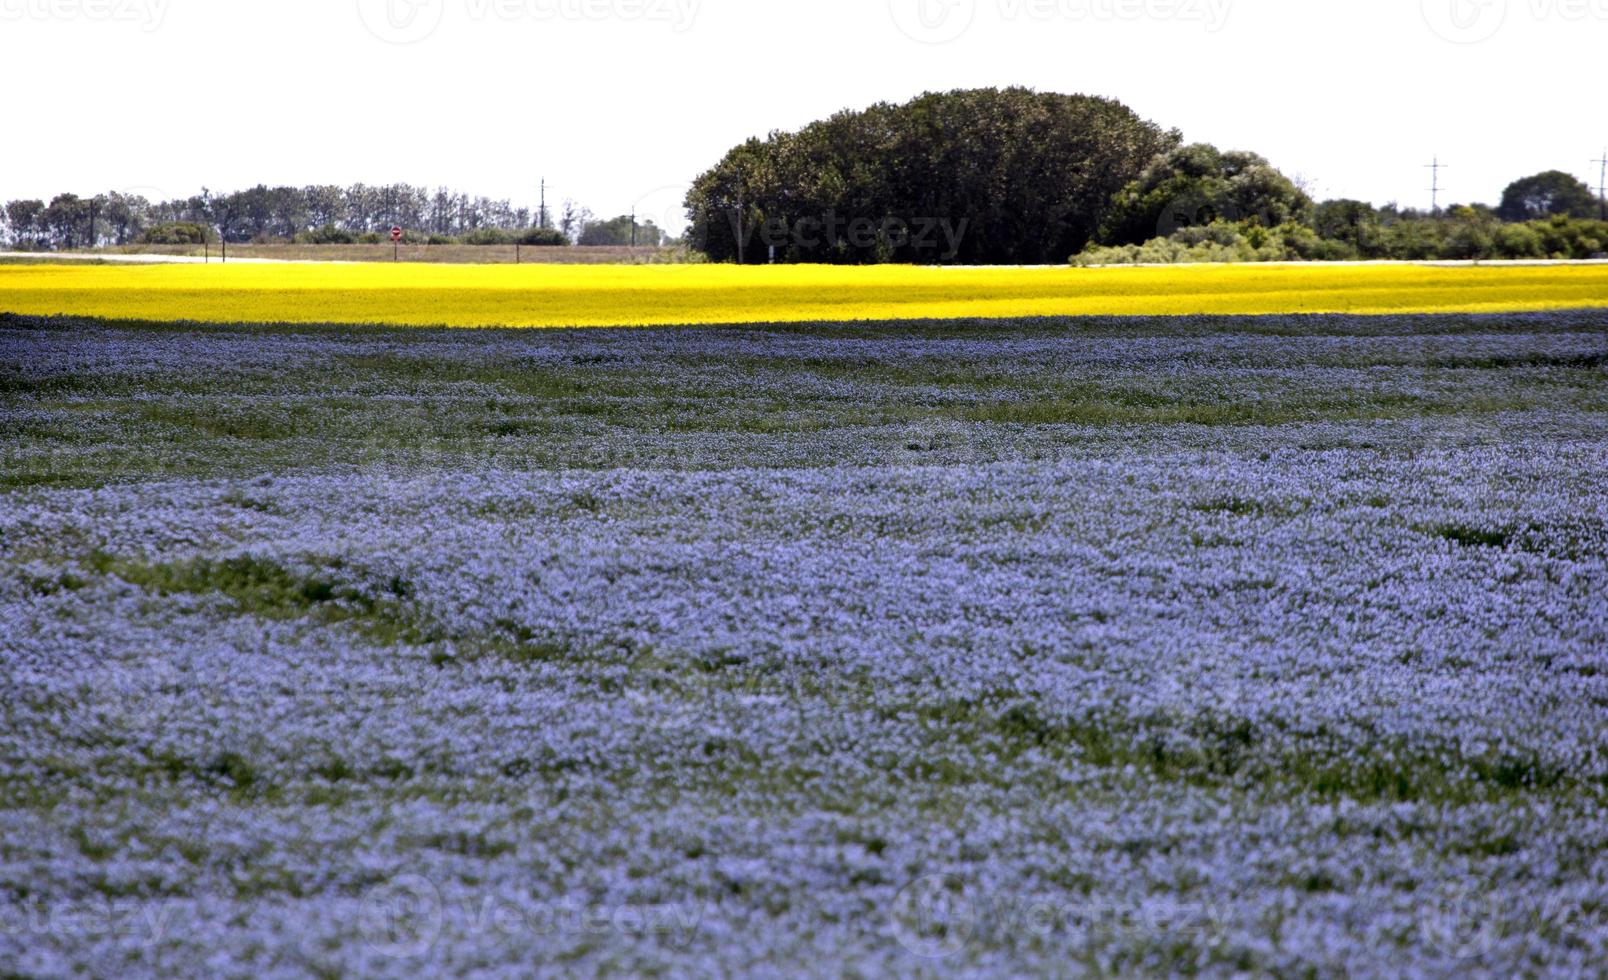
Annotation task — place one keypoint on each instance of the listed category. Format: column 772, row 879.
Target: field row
column 550, row 295
column 1131, row 646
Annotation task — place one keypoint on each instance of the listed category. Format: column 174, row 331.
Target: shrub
column 1569, row 238
column 327, row 235
column 176, row 233
column 488, row 236
column 1201, row 185
column 1519, row 242
column 543, row 237
column 1223, row 241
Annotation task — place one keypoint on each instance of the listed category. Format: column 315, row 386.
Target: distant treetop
column 971, row 176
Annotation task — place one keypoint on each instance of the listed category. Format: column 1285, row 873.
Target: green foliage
column 1198, row 185
column 542, row 237
column 176, row 233
column 327, row 235
column 1021, row 176
column 488, row 236
column 1224, row 242
column 618, row 231
column 1347, row 230
column 1547, row 194
column 1352, row 224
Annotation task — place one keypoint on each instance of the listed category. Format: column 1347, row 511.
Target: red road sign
column 396, row 234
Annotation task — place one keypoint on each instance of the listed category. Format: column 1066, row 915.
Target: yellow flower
column 572, row 295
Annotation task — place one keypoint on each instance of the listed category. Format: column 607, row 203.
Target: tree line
column 1027, row 177
column 1199, row 204
column 318, row 214
column 979, row 176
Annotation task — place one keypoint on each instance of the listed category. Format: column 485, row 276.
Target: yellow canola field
column 573, row 295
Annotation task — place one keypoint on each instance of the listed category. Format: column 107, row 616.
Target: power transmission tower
column 1434, row 184
column 542, row 219
column 1602, row 185
column 633, row 226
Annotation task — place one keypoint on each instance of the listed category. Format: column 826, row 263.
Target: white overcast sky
column 620, row 102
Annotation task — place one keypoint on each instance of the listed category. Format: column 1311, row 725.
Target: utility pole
column 633, row 226
column 1434, row 185
column 91, row 239
column 741, row 259
column 1602, row 185
column 542, row 217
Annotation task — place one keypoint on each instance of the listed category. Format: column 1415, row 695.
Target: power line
column 1434, row 184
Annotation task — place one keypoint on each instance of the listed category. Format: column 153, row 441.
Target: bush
column 327, row 235
column 1222, row 241
column 1519, row 242
column 176, row 233
column 1200, row 185
column 1460, row 233
column 544, row 237
column 488, row 236
column 1569, row 238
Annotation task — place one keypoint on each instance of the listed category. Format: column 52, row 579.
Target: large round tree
column 972, row 176
column 1546, row 194
column 1197, row 185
